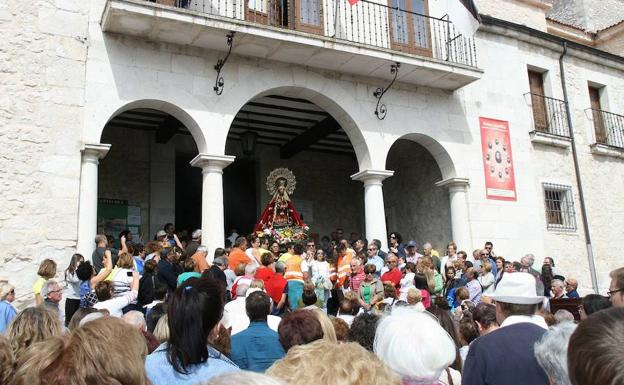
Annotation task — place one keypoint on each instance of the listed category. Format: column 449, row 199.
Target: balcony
column 609, row 133
column 550, row 120
column 363, row 39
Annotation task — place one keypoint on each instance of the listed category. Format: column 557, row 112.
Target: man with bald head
column 571, row 285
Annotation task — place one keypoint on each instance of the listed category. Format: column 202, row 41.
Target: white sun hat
column 517, row 288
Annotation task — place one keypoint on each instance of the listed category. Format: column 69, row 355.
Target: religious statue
column 280, row 220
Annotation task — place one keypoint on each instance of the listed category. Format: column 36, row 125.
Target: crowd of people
column 341, row 311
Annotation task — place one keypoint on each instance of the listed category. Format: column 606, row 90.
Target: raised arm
column 124, row 247
column 177, row 241
column 108, row 267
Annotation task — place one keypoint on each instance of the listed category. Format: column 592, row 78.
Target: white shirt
column 114, row 305
column 487, row 283
column 406, row 283
column 347, row 318
column 235, row 316
column 516, row 319
column 445, row 260
column 320, row 269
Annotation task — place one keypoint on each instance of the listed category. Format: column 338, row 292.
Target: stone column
column 87, row 209
column 213, row 232
column 460, row 217
column 374, row 211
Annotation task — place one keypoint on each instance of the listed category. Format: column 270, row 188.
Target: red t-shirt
column 275, row 287
column 393, row 276
column 264, row 273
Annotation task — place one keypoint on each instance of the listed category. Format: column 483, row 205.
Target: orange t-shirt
column 200, row 262
column 236, row 257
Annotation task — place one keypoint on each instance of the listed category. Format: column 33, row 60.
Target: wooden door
column 536, row 84
column 308, row 16
column 266, row 12
column 409, row 27
column 599, row 126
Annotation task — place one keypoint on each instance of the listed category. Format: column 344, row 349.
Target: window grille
column 559, row 207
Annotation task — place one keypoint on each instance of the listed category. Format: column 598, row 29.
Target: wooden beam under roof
column 309, row 137
column 167, row 129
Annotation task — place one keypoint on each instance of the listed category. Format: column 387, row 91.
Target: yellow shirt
column 284, row 257
column 38, row 285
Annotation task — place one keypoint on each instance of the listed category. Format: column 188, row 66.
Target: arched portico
column 93, row 150
column 423, row 168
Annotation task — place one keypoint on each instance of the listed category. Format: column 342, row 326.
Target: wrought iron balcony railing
column 549, row 115
column 609, row 128
column 388, row 24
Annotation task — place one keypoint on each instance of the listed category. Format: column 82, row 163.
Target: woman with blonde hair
column 33, row 324
column 121, row 276
column 325, row 363
column 47, row 270
column 329, row 333
column 7, row 311
column 487, row 279
column 244, row 378
column 161, row 331
column 104, row 351
column 6, row 360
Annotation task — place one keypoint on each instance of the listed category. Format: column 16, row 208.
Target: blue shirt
column 378, row 262
column 573, row 294
column 161, row 372
column 7, row 313
column 256, row 348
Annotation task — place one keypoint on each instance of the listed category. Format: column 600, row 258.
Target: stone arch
column 419, row 162
column 436, row 149
column 179, row 113
column 325, row 100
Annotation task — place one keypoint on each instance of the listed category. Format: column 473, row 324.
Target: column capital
column 95, row 150
column 454, row 184
column 372, row 177
column 212, row 163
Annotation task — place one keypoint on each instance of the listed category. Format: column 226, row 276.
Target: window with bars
column 559, row 207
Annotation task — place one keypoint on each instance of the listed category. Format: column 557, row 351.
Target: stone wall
column 42, row 64
column 415, row 207
column 528, row 12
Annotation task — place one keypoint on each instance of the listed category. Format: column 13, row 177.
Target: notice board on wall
column 114, row 216
column 500, row 181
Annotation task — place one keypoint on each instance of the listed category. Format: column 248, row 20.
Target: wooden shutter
column 599, row 126
column 536, row 84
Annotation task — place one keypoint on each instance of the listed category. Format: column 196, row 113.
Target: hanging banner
column 500, row 182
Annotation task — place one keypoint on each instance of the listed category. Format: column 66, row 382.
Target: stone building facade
column 71, row 69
